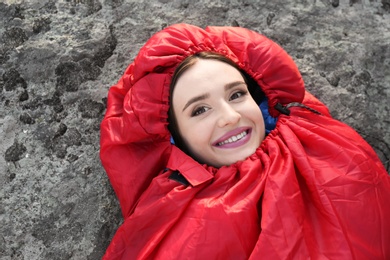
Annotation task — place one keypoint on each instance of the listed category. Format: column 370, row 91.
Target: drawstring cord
column 286, row 111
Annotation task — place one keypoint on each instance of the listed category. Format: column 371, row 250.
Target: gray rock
column 15, row 152
column 59, row 58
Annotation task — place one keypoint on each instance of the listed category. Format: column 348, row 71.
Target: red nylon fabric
column 314, row 189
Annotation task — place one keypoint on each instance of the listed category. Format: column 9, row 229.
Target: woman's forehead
column 208, row 72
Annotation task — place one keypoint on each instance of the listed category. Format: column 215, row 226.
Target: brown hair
column 187, row 63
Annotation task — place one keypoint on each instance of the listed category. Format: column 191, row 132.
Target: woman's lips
column 234, row 138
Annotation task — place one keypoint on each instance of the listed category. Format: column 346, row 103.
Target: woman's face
column 219, row 121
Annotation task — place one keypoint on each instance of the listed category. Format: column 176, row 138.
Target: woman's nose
column 228, row 116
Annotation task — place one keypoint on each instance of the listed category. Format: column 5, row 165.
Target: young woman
column 213, row 116
column 223, row 188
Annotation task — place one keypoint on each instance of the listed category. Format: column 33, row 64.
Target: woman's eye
column 198, row 111
column 238, row 94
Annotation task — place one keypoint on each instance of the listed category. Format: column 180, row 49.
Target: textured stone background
column 58, row 59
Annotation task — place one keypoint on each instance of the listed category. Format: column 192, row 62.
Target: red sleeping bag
column 314, row 189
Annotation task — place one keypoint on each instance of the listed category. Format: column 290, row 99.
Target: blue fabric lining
column 269, row 121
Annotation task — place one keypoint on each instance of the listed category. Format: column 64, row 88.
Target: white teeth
column 233, row 138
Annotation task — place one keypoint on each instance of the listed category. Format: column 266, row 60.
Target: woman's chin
column 234, row 158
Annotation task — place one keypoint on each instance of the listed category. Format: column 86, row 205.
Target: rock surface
column 58, row 59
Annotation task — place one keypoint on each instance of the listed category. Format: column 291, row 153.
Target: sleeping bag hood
column 313, row 189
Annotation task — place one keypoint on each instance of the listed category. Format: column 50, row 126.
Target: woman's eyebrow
column 233, row 84
column 195, row 99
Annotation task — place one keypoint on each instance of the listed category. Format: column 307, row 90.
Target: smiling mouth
column 234, row 138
